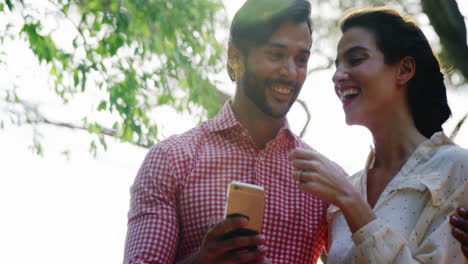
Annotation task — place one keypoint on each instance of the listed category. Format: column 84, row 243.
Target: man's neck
column 262, row 128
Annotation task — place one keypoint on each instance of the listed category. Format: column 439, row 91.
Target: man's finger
column 242, row 241
column 229, row 223
column 238, row 249
column 245, row 256
column 465, row 251
column 463, row 212
column 460, row 235
column 462, row 225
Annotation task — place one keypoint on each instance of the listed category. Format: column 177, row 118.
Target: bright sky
column 56, row 210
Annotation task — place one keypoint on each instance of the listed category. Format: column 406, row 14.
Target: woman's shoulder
column 451, row 154
column 356, row 177
column 445, row 150
column 445, row 173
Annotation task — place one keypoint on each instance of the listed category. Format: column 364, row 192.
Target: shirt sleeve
column 376, row 242
column 152, row 232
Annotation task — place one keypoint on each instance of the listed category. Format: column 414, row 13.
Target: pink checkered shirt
column 180, row 192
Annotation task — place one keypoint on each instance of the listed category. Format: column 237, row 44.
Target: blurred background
column 87, row 86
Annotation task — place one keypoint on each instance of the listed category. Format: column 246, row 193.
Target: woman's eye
column 303, row 60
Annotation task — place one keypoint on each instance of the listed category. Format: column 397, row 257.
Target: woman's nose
column 340, row 75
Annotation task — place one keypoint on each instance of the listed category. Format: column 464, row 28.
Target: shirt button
column 244, row 134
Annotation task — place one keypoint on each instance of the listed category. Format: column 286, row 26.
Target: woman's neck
column 395, row 144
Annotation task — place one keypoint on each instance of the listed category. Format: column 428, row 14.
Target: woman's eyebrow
column 351, row 50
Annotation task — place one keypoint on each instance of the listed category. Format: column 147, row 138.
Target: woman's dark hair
column 398, row 36
column 257, row 20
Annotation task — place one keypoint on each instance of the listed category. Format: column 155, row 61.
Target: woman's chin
column 349, row 121
column 352, row 121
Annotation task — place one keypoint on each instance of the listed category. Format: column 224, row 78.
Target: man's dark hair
column 257, row 20
column 396, row 37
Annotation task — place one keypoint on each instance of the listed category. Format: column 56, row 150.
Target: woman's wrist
column 356, row 211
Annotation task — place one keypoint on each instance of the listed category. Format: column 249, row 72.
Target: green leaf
column 76, row 78
column 65, row 57
column 83, row 81
column 93, row 148
column 128, row 134
column 102, row 106
column 94, row 129
column 42, row 46
column 75, row 42
column 103, row 142
column 9, row 4
column 164, row 99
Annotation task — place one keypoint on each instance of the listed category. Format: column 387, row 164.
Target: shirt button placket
column 245, row 135
column 259, row 166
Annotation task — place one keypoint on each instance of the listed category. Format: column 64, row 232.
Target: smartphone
column 247, row 200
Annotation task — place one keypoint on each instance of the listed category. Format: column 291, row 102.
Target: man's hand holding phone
column 216, row 248
column 237, row 238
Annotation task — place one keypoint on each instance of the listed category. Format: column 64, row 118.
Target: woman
column 396, row 209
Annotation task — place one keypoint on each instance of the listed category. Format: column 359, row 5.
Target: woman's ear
column 406, row 70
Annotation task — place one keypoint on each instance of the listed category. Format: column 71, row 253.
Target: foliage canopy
column 144, row 54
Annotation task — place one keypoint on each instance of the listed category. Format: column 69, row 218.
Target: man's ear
column 235, row 62
column 406, row 70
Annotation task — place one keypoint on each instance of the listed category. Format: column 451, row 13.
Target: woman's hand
column 322, row 177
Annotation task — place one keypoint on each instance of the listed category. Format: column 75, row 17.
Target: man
column 178, row 198
column 179, row 194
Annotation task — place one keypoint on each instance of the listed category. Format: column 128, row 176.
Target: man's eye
column 355, row 61
column 276, row 55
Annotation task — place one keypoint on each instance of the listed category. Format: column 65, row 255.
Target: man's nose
column 289, row 69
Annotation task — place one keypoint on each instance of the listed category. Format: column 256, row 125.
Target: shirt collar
column 418, row 180
column 422, row 153
column 225, row 119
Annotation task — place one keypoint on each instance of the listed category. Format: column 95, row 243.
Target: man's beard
column 254, row 89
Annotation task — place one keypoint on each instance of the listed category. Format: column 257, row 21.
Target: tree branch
column 449, row 24
column 306, row 109
column 457, row 127
column 39, row 118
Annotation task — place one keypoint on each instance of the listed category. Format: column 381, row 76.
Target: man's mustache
column 283, row 82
